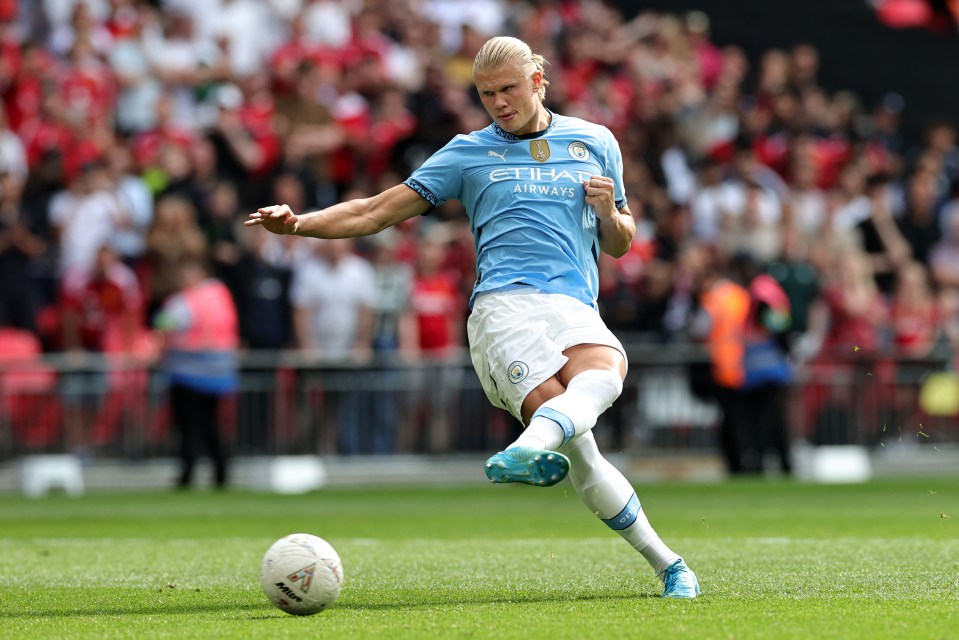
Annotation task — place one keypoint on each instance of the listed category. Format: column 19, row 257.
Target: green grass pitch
column 775, row 560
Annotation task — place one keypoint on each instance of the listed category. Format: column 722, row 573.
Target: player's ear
column 537, row 79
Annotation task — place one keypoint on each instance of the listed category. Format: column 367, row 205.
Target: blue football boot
column 679, row 581
column 538, row 467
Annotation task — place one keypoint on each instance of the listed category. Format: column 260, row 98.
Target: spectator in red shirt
column 854, row 307
column 101, row 305
column 88, row 85
column 32, row 68
column 246, row 146
column 436, row 301
column 46, row 132
column 850, row 322
column 286, row 62
column 148, row 145
column 915, row 313
column 391, row 122
column 101, row 313
column 437, row 305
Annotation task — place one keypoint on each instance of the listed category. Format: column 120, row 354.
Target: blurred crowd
column 136, row 135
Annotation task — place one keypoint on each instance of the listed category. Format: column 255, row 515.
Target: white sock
column 573, row 412
column 608, row 494
column 542, row 433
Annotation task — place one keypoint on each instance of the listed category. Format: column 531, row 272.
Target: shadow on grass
column 466, row 599
column 171, row 608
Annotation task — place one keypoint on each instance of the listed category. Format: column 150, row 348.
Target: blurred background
column 792, row 288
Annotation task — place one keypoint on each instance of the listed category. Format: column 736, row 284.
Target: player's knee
column 589, row 357
column 601, row 383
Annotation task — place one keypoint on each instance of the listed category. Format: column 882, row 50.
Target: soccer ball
column 301, row 574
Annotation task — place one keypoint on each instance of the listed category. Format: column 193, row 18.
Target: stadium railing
column 289, row 404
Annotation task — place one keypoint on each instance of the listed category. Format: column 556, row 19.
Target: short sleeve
column 614, row 169
column 440, row 178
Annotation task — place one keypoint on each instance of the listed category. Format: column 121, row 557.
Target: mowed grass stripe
column 927, row 507
column 848, row 564
column 776, row 560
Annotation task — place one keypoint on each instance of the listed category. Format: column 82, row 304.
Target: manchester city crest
column 517, row 371
column 539, row 149
column 578, row 151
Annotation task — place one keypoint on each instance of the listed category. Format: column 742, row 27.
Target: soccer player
column 544, row 195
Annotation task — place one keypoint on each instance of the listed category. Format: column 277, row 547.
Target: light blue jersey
column 526, row 203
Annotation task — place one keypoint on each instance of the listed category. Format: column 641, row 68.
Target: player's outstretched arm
column 361, row 217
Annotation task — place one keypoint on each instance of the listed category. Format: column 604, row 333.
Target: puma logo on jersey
column 493, row 154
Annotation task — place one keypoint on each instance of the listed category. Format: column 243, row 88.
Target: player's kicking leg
column 556, row 414
column 529, row 465
column 532, row 459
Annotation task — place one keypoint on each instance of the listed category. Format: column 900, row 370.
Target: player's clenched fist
column 599, row 195
column 278, row 218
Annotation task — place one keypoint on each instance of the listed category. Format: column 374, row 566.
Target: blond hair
column 504, row 50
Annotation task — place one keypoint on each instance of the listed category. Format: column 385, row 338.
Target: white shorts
column 517, row 339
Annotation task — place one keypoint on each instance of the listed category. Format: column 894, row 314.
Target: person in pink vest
column 202, row 336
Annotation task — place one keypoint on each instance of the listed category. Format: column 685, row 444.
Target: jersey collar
column 529, row 136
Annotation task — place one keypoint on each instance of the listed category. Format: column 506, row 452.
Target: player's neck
column 541, row 120
column 537, row 124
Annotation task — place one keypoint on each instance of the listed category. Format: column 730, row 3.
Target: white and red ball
column 301, row 574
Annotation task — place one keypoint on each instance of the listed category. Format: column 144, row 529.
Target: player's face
column 511, row 97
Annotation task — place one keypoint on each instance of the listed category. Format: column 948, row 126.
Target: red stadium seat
column 28, row 400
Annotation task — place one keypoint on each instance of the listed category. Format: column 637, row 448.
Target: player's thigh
column 513, row 351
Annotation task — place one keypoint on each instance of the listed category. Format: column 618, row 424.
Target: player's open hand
column 599, row 195
column 278, row 218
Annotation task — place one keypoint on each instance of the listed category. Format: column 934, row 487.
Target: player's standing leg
column 609, row 495
column 560, row 422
